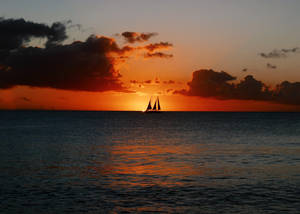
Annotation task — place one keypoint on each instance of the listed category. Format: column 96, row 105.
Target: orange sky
column 164, row 80
column 52, row 99
column 195, row 42
column 167, row 78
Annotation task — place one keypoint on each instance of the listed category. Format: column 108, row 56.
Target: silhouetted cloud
column 158, row 46
column 288, row 93
column 79, row 66
column 16, row 32
column 270, row 66
column 279, row 53
column 132, row 37
column 158, row 55
column 82, row 65
column 209, row 83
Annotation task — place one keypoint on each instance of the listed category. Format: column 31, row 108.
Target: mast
column 158, row 106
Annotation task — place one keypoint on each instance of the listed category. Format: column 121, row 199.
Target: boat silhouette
column 156, row 108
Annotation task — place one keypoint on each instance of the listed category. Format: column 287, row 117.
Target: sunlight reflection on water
column 127, row 162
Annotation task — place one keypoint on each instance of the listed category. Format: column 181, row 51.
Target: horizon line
column 77, row 110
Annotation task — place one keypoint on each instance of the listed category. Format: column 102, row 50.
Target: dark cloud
column 209, row 83
column 288, row 93
column 132, row 37
column 82, row 65
column 158, row 46
column 270, row 66
column 250, row 89
column 158, row 55
column 16, row 32
column 79, row 66
column 245, row 70
column 279, row 53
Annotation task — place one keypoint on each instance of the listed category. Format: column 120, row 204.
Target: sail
column 149, row 106
column 158, row 105
column 154, row 107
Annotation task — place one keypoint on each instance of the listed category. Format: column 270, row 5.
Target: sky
column 209, row 55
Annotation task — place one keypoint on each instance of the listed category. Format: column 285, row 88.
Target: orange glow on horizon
column 51, row 99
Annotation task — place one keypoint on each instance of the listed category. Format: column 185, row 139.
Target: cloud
column 132, row 37
column 158, row 46
column 17, row 32
column 245, row 70
column 288, row 93
column 273, row 54
column 283, row 53
column 292, row 50
column 158, row 55
column 270, row 66
column 88, row 65
column 69, row 24
column 209, row 83
column 153, row 82
column 82, row 66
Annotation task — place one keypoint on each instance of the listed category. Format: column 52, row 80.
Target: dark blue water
column 130, row 162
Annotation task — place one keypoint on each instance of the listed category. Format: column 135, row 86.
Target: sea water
column 131, row 162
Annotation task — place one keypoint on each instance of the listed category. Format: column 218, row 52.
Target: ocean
column 131, row 162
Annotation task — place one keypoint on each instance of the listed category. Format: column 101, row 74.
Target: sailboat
column 156, row 108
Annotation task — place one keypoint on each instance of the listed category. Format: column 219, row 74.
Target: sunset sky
column 196, row 55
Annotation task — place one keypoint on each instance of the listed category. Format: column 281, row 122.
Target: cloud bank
column 88, row 65
column 218, row 85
